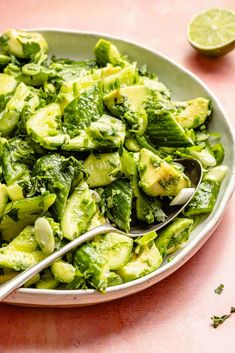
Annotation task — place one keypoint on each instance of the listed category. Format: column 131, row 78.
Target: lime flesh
column 213, row 31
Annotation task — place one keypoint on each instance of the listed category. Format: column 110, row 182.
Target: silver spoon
column 192, row 168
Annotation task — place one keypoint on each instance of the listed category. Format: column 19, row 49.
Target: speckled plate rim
column 68, row 298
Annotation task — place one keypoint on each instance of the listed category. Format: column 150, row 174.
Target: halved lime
column 212, row 32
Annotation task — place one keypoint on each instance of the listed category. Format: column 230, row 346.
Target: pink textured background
column 174, row 315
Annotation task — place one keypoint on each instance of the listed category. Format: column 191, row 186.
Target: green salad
column 86, row 141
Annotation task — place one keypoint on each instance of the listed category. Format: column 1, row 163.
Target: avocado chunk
column 147, row 261
column 127, row 103
column 103, row 168
column 107, row 53
column 193, row 113
column 159, row 178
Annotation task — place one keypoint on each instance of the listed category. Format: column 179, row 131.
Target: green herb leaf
column 232, row 310
column 219, row 289
column 218, row 320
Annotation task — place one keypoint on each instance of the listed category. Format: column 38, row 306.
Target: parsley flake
column 219, row 289
column 218, row 320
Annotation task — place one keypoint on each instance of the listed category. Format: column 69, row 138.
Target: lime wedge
column 212, row 32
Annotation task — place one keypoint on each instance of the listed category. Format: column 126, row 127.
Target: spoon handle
column 23, row 277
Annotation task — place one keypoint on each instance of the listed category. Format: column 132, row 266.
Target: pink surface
column 174, row 315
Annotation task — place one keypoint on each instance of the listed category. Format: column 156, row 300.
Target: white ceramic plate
column 184, row 85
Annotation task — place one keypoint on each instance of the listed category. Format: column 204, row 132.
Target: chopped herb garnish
column 219, row 289
column 218, row 320
column 232, row 310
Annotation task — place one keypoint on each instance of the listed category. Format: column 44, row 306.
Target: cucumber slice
column 148, row 260
column 7, row 84
column 78, row 213
column 63, row 271
column 118, row 200
column 115, row 248
column 103, row 169
column 173, row 235
column 19, row 260
column 204, row 199
column 44, row 127
column 163, row 130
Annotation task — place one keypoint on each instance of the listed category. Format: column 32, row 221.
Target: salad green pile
column 86, row 141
